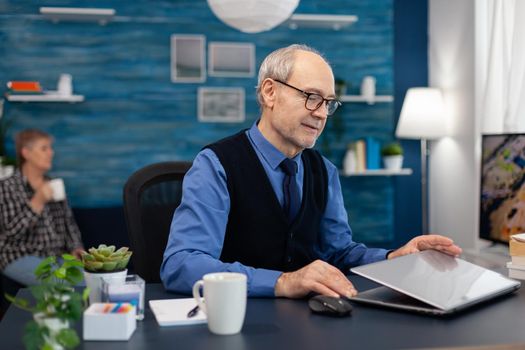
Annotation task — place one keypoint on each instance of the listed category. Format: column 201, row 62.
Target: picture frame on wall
column 221, row 105
column 229, row 59
column 188, row 58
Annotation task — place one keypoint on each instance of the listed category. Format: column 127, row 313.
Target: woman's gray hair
column 278, row 65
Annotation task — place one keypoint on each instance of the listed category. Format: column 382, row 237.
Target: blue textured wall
column 134, row 115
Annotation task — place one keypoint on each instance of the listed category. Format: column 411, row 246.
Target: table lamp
column 423, row 117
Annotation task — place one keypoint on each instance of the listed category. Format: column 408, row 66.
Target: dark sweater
column 258, row 233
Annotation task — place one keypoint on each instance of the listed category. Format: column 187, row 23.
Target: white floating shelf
column 359, row 98
column 56, row 14
column 378, row 172
column 335, row 22
column 46, row 97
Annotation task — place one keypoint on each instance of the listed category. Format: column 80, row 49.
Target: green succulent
column 392, row 149
column 106, row 259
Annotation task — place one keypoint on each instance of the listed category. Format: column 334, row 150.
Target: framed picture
column 187, row 59
column 231, row 59
column 223, row 105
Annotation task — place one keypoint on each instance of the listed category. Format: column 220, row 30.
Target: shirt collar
column 269, row 152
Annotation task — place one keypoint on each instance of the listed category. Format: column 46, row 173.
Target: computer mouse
column 330, row 306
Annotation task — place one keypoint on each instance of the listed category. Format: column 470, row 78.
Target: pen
column 193, row 312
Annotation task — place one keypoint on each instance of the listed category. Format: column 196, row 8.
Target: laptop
column 431, row 282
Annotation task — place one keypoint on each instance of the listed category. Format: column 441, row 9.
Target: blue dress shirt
column 199, row 223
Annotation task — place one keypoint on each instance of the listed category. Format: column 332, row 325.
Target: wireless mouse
column 330, row 306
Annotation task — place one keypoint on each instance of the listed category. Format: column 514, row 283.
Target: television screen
column 502, row 204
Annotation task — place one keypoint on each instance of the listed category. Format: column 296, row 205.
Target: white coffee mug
column 59, row 190
column 224, row 301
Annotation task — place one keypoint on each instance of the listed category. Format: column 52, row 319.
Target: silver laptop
column 431, row 282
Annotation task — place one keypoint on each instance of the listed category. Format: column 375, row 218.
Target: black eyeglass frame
column 326, row 101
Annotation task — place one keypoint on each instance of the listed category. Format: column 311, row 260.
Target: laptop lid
column 445, row 283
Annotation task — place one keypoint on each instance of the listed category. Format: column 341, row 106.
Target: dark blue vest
column 258, row 233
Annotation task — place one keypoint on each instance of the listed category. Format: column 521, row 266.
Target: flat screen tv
column 502, row 204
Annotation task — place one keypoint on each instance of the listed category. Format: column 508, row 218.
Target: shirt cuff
column 263, row 283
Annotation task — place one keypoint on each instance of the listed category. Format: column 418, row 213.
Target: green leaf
column 74, row 275
column 33, row 336
column 109, row 265
column 60, row 273
column 68, row 338
column 72, row 263
column 68, row 257
column 85, row 294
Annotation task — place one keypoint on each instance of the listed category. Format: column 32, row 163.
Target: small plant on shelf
column 392, row 149
column 392, row 156
column 57, row 304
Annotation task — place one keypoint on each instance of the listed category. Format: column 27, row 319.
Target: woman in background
column 32, row 225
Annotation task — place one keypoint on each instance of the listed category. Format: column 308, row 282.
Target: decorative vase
column 94, row 282
column 393, row 162
column 54, row 325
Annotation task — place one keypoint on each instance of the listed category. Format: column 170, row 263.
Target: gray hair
column 278, row 65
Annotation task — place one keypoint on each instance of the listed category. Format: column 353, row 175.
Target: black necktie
column 290, row 189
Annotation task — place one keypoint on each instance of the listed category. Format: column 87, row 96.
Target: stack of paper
column 174, row 312
column 517, row 254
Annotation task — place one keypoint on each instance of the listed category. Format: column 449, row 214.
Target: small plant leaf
column 68, row 338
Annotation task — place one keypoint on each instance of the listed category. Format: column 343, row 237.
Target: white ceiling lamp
column 253, row 16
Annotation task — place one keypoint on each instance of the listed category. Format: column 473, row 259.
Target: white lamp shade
column 422, row 115
column 253, row 16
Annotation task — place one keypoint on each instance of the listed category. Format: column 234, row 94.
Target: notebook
column 174, row 312
column 431, row 282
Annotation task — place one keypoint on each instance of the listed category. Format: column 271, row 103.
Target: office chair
column 151, row 195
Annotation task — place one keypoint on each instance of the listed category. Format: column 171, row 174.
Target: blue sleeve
column 335, row 239
column 197, row 232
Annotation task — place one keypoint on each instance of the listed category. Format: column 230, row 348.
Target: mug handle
column 197, row 295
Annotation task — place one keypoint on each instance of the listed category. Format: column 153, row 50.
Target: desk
column 288, row 324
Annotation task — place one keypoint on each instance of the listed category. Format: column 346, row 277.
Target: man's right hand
column 318, row 277
column 43, row 194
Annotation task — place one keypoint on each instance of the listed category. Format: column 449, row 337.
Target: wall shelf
column 335, row 22
column 50, row 96
column 360, row 98
column 57, row 14
column 378, row 172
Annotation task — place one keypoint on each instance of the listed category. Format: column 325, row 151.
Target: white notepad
column 174, row 312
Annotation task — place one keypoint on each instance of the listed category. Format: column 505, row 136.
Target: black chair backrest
column 151, row 195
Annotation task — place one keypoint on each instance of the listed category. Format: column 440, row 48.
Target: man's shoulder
column 228, row 140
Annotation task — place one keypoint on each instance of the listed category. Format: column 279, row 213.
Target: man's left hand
column 436, row 242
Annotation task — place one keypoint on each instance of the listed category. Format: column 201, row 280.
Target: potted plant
column 106, row 263
column 392, row 154
column 57, row 304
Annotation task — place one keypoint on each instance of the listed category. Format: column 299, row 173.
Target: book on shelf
column 24, row 87
column 373, row 160
column 360, row 155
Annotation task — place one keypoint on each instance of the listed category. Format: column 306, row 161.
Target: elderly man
column 263, row 203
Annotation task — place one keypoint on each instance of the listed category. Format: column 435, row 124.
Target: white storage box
column 109, row 321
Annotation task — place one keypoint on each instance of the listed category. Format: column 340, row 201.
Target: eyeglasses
column 314, row 101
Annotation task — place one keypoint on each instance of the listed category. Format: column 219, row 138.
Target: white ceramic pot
column 393, row 162
column 54, row 325
column 94, row 282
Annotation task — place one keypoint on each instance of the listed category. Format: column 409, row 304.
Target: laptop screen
column 437, row 279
